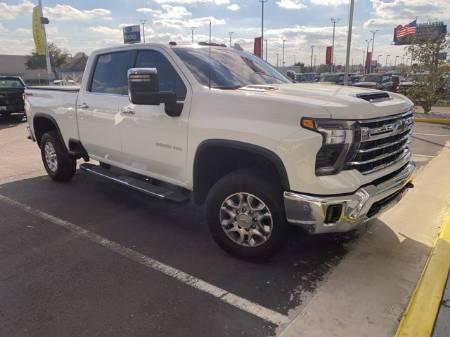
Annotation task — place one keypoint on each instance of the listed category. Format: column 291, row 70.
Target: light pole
column 333, row 20
column 396, row 58
column 385, row 63
column 349, row 41
column 312, row 55
column 266, row 49
column 143, row 22
column 277, row 61
column 373, row 44
column 192, row 31
column 44, row 21
column 367, row 57
column 283, row 52
column 231, row 34
column 262, row 26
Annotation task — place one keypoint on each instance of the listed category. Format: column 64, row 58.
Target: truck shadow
column 11, row 121
column 177, row 235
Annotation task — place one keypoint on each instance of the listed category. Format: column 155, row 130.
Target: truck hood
column 341, row 102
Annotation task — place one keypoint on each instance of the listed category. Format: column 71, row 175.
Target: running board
column 136, row 184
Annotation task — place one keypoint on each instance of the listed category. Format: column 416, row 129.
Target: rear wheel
column 58, row 163
column 246, row 216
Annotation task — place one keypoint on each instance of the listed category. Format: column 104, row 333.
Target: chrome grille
column 381, row 142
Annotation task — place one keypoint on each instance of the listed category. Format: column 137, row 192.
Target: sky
column 86, row 25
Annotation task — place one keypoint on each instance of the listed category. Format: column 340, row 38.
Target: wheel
column 58, row 163
column 246, row 216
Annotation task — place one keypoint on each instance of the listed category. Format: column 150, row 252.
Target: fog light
column 333, row 213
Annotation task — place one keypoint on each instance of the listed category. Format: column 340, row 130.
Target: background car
column 387, row 82
column 11, row 95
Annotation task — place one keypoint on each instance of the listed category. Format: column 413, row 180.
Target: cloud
column 196, row 22
column 397, row 12
column 56, row 13
column 333, row 3
column 10, row 12
column 291, row 4
column 234, row 7
column 66, row 12
column 192, row 2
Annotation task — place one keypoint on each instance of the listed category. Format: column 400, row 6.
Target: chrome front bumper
column 314, row 213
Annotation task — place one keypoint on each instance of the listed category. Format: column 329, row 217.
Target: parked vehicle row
column 221, row 127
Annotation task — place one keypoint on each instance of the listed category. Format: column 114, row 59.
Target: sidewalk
column 367, row 293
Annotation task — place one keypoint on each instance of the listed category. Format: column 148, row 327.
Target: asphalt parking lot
column 90, row 258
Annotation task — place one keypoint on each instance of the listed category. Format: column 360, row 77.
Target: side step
column 160, row 192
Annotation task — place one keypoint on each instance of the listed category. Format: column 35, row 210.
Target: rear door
column 98, row 104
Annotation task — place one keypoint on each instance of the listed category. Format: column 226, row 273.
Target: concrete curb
column 420, row 315
column 432, row 120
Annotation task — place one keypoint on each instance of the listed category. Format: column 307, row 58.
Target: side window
column 110, row 74
column 169, row 80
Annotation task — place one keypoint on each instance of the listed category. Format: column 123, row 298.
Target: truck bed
column 55, row 88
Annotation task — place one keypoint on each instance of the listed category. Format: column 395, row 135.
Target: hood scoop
column 374, row 97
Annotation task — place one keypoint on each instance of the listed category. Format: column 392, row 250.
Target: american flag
column 406, row 30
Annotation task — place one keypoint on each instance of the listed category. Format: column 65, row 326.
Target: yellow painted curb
column 433, row 120
column 420, row 315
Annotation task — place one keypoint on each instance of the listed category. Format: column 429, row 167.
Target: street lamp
column 262, row 26
column 373, row 44
column 143, row 22
column 349, row 41
column 266, row 49
column 334, row 21
column 192, row 31
column 283, row 52
column 312, row 55
column 231, row 34
column 397, row 57
column 367, row 58
column 386, row 63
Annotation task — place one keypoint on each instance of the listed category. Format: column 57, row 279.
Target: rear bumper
column 322, row 214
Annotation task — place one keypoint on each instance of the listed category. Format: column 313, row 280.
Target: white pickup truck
column 219, row 126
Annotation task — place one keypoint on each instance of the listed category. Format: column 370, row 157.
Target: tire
column 257, row 191
column 58, row 163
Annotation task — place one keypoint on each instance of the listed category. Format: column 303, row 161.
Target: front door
column 154, row 143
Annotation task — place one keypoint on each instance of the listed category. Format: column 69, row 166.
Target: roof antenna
column 210, row 60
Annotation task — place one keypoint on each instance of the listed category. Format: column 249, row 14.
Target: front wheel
column 58, row 163
column 246, row 216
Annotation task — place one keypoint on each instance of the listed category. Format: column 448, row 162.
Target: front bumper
column 322, row 214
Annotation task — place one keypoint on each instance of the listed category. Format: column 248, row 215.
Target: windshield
column 228, row 68
column 10, row 83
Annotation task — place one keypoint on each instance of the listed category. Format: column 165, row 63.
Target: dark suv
column 11, row 95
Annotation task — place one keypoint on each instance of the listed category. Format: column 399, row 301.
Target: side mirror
column 143, row 88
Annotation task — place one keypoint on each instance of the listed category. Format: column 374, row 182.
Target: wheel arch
column 210, row 163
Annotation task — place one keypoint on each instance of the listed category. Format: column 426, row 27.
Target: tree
column 324, row 68
column 429, row 59
column 58, row 58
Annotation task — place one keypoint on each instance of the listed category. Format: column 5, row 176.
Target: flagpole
column 50, row 74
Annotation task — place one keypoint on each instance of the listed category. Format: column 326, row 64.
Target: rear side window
column 169, row 80
column 110, row 74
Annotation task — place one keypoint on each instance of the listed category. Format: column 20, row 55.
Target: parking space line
column 221, row 294
column 431, row 134
column 423, row 155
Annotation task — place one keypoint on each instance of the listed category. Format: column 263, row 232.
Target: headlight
column 337, row 141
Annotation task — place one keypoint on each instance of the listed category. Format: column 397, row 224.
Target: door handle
column 128, row 110
column 83, row 106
